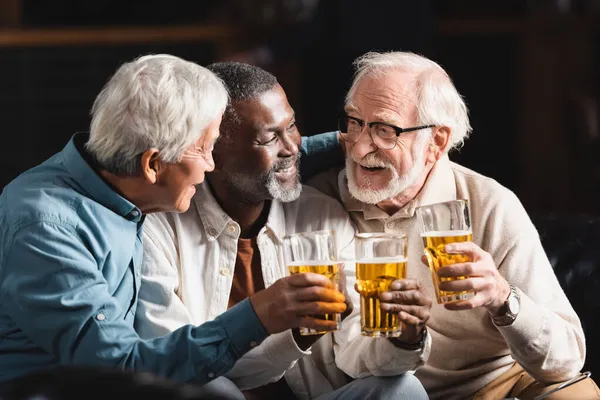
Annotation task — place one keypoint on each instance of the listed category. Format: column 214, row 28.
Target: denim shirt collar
column 93, row 184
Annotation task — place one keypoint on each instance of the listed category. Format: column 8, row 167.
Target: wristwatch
column 509, row 310
column 415, row 346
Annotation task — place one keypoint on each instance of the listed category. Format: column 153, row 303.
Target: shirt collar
column 439, row 187
column 215, row 220
column 92, row 183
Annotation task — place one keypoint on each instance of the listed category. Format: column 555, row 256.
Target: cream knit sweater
column 468, row 351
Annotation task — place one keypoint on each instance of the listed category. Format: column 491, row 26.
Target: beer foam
column 382, row 260
column 446, row 233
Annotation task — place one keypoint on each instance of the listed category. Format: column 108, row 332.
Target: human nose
column 290, row 145
column 210, row 162
column 364, row 144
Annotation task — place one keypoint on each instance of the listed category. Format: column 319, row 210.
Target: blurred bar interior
column 529, row 71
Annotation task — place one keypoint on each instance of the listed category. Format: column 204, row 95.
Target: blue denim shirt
column 70, row 253
column 319, row 153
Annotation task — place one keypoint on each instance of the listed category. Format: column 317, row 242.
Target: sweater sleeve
column 546, row 338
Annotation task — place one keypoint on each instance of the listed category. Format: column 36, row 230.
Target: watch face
column 513, row 305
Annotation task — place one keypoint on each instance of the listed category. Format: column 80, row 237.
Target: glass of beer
column 314, row 252
column 380, row 260
column 441, row 224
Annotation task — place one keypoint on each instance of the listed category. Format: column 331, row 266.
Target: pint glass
column 380, row 260
column 441, row 224
column 314, row 252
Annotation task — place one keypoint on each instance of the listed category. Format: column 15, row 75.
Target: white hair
column 437, row 100
column 156, row 101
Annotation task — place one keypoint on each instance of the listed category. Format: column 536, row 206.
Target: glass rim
column 464, row 201
column 309, row 233
column 381, row 235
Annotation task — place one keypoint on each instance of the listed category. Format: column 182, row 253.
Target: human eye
column 292, row 126
column 353, row 125
column 267, row 140
column 384, row 131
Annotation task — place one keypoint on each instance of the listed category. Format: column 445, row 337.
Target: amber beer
column 437, row 258
column 373, row 278
column 331, row 271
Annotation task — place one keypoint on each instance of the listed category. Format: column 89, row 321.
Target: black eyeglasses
column 383, row 135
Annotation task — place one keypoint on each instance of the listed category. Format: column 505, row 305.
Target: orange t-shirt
column 247, row 280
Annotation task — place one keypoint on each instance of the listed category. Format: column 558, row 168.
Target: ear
column 439, row 143
column 151, row 165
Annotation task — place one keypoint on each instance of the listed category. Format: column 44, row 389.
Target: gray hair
column 437, row 100
column 156, row 101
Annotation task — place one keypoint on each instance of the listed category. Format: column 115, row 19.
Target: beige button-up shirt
column 468, row 350
column 188, row 267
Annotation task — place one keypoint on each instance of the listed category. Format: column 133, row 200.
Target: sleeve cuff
column 283, row 350
column 405, row 360
column 527, row 327
column 243, row 327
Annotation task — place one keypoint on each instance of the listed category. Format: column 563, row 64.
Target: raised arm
column 320, row 153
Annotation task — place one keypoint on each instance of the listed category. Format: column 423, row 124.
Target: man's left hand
column 407, row 298
column 482, row 277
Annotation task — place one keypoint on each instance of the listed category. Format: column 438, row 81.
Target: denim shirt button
column 100, row 317
column 211, row 375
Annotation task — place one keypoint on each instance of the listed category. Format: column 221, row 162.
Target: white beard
column 398, row 184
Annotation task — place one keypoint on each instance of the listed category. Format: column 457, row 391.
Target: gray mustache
column 287, row 164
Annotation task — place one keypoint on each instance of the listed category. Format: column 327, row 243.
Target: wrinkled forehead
column 388, row 97
column 268, row 110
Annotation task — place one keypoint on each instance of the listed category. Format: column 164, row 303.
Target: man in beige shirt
column 390, row 171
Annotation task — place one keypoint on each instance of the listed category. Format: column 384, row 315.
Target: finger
column 317, row 324
column 474, row 302
column 424, row 260
column 319, row 308
column 406, row 284
column 459, row 269
column 309, row 279
column 349, row 308
column 409, row 297
column 409, row 319
column 476, row 284
column 469, row 249
column 318, row 293
column 419, row 312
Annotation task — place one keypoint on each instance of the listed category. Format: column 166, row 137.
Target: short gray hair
column 437, row 100
column 156, row 101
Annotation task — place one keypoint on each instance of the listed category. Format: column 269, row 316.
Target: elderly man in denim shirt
column 71, row 244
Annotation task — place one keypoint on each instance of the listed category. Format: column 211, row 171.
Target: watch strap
column 507, row 317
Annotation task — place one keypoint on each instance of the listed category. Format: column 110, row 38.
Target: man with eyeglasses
column 518, row 336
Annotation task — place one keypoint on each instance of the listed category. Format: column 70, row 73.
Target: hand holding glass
column 314, row 252
column 380, row 260
column 442, row 224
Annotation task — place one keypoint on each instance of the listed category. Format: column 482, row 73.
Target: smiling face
column 374, row 174
column 177, row 181
column 259, row 158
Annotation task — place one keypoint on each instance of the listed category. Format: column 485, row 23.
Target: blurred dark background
column 528, row 69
